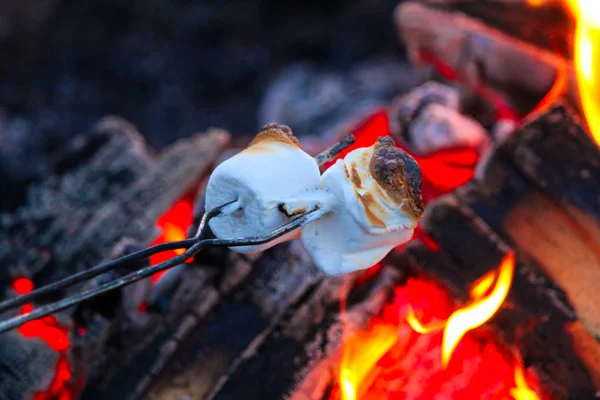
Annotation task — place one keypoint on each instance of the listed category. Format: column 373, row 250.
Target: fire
column 418, row 326
column 173, row 225
column 522, row 390
column 587, row 59
column 482, row 285
column 362, row 351
column 478, row 312
column 586, row 54
column 56, row 337
column 390, row 360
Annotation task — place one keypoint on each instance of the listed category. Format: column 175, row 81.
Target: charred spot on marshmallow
column 398, row 174
column 274, row 132
column 370, row 205
column 355, row 177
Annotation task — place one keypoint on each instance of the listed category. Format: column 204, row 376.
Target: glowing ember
column 402, row 364
column 586, row 52
column 522, row 391
column 478, row 312
column 173, row 225
column 48, row 330
column 22, row 285
column 557, row 89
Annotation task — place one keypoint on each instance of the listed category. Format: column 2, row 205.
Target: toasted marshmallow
column 262, row 179
column 377, row 193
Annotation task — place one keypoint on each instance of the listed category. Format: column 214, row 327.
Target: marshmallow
column 271, row 181
column 377, row 192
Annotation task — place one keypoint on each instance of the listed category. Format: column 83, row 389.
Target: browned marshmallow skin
column 274, row 132
column 398, row 174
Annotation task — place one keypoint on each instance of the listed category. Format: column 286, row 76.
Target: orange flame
column 481, row 287
column 418, row 326
column 587, row 57
column 522, row 390
column 480, row 311
column 361, row 353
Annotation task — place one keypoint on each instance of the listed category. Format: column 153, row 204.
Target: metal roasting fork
column 192, row 245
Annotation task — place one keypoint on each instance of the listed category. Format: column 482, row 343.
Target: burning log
column 520, row 201
column 523, row 73
column 295, row 352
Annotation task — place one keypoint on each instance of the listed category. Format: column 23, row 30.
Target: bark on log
column 556, row 153
column 252, row 303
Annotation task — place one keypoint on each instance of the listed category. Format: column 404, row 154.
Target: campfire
column 443, row 246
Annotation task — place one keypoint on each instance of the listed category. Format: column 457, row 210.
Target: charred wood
column 253, row 300
column 521, row 72
column 299, row 357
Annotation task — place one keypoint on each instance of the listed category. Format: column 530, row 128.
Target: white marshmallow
column 378, row 205
column 264, row 177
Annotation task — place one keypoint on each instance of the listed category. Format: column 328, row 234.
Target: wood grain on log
column 558, row 156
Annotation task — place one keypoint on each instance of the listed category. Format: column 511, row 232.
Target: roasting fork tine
column 193, row 246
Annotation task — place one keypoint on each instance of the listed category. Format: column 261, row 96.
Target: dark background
column 172, row 68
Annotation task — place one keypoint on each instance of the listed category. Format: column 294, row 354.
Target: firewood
column 534, row 195
column 557, row 154
column 245, row 317
column 521, row 71
column 548, row 25
column 300, row 354
column 536, row 312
